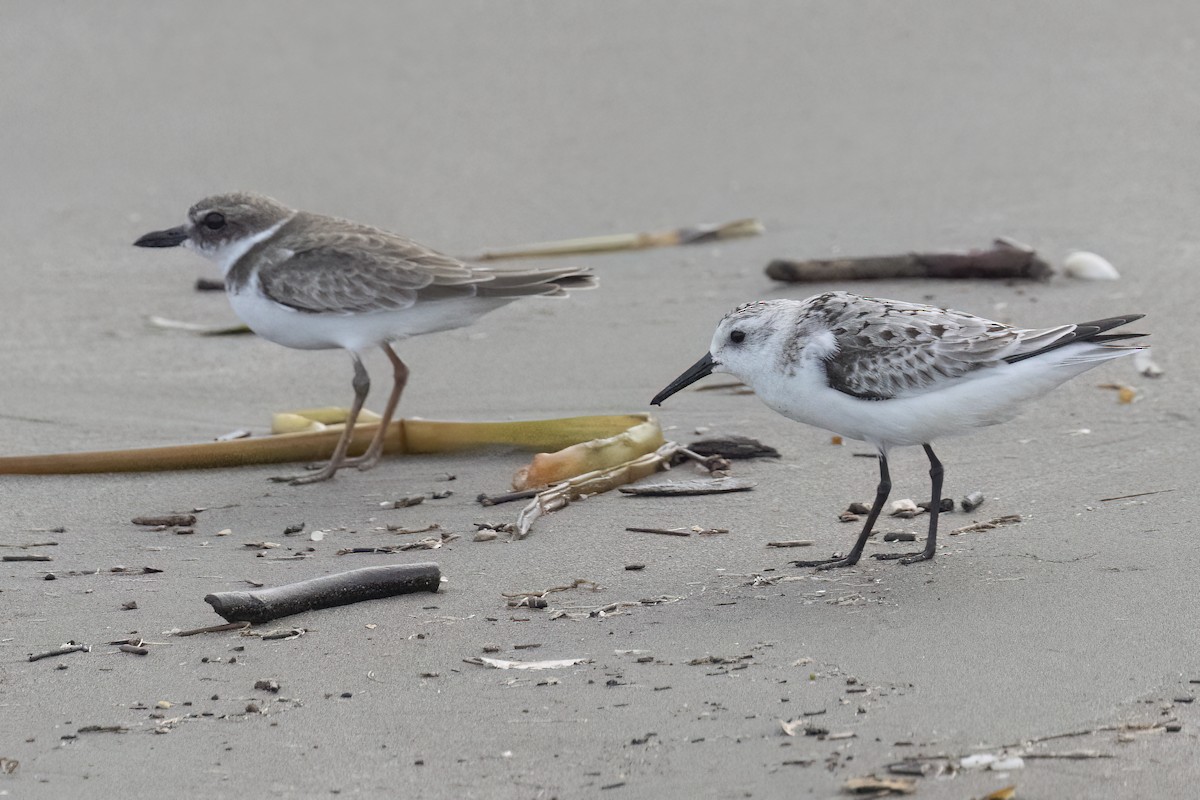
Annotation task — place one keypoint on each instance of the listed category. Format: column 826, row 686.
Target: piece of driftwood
column 1005, row 260
column 343, row 588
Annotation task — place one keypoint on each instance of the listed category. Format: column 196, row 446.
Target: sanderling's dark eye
column 737, row 337
column 214, row 220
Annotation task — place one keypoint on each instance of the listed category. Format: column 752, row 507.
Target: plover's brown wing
column 351, row 272
column 887, row 348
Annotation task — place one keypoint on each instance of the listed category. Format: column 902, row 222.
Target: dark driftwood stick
column 368, row 583
column 1004, row 260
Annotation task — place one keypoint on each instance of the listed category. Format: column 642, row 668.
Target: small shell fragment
column 1089, row 267
column 905, row 509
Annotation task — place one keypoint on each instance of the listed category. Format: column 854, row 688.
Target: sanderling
column 896, row 374
column 315, row 282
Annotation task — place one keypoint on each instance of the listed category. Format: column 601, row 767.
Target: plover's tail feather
column 552, row 282
column 1083, row 332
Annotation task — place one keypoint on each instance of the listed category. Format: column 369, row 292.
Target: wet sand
column 847, row 129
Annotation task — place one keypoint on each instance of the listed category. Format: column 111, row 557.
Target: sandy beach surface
column 1069, row 639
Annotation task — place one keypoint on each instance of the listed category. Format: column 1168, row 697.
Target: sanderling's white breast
column 896, row 374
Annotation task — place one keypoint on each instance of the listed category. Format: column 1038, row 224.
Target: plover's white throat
column 894, row 374
column 315, row 282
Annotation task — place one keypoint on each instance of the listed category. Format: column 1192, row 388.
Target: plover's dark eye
column 737, row 337
column 214, row 220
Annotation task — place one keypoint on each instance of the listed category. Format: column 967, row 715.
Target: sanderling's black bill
column 695, row 372
column 171, row 237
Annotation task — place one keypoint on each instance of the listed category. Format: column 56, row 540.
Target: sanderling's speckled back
column 894, row 374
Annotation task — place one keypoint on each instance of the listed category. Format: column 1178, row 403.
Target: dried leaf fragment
column 1007, row 793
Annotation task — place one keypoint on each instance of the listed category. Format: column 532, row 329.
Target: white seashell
column 1089, row 267
column 1143, row 364
column 978, row 761
column 1005, row 764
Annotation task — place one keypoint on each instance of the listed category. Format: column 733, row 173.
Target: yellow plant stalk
column 586, row 457
column 695, row 234
column 404, row 436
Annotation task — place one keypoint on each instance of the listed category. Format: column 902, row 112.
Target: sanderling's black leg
column 935, row 506
column 881, row 496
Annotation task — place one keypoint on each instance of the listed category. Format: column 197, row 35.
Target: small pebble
column 899, row 536
column 972, row 501
column 858, row 508
column 635, row 567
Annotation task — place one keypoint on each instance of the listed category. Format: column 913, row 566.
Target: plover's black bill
column 695, row 372
column 171, row 237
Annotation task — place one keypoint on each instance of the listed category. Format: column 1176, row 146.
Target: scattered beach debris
column 947, row 504
column 508, row 497
column 905, row 509
column 598, row 481
column 972, row 501
column 200, row 329
column 9, row 765
column 70, row 647
column 1145, row 365
column 1138, row 494
column 1006, row 259
column 1089, row 267
column 401, row 530
column 733, row 447
column 899, row 536
column 792, row 543
column 663, row 531
column 134, row 649
column 166, row 521
column 502, row 663
column 879, row 787
column 27, row 557
column 689, row 487
column 430, row 543
column 367, row 583
column 228, row 626
column 995, row 522
column 693, row 234
column 1126, row 394
column 404, row 502
column 537, row 599
column 596, row 455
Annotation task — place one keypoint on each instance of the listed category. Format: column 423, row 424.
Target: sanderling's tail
column 1082, row 333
